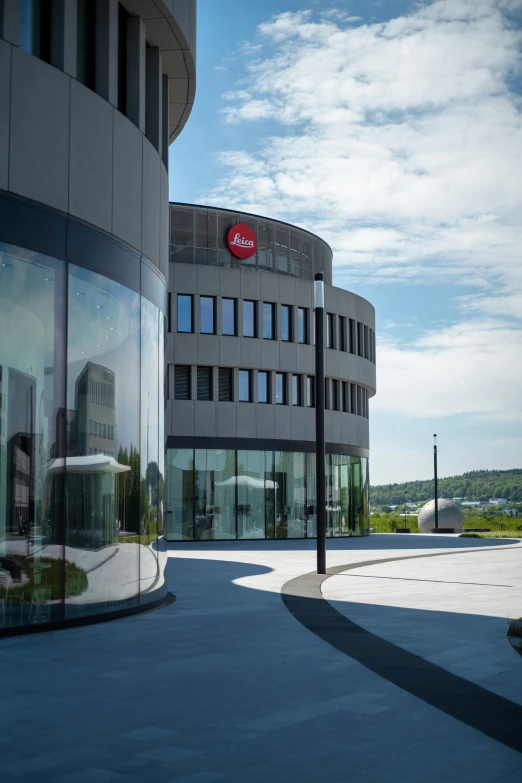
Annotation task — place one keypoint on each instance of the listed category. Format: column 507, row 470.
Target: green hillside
column 477, row 485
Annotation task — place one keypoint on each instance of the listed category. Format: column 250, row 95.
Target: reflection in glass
column 103, row 460
column 251, row 487
column 151, row 478
column 206, row 315
column 310, row 391
column 214, row 494
column 262, row 386
column 32, row 438
column 296, row 390
column 268, row 321
column 276, row 494
column 228, row 316
column 180, row 495
column 286, row 323
column 290, row 494
column 245, row 394
column 184, row 313
column 302, row 332
column 280, row 388
column 249, row 319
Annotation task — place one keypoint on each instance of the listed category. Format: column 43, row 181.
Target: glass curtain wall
column 261, row 494
column 75, row 489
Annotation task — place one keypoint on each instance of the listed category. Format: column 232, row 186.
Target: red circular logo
column 241, row 241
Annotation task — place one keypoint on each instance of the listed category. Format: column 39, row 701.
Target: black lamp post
column 436, row 483
column 319, row 423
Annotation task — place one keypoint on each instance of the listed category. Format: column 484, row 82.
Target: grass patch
column 50, row 577
column 494, row 534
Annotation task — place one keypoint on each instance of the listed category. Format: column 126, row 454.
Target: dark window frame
column 249, row 378
column 253, row 302
column 283, row 400
column 189, row 297
column 234, row 315
column 266, row 374
column 288, row 309
column 213, row 300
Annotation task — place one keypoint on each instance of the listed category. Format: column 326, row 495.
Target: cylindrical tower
column 240, row 420
column 91, row 94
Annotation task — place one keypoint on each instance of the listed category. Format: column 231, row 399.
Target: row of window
column 40, row 31
column 344, row 334
column 101, row 430
column 289, row 388
column 101, row 393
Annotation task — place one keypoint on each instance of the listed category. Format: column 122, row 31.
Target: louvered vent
column 182, row 382
column 225, row 384
column 204, row 383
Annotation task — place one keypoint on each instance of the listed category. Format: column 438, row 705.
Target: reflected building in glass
column 88, row 107
column 240, row 419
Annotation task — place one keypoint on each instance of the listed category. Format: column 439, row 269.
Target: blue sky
column 393, row 130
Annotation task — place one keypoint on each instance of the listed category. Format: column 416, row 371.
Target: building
column 240, row 419
column 91, row 96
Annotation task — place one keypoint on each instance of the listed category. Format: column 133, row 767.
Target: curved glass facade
column 224, row 494
column 81, row 434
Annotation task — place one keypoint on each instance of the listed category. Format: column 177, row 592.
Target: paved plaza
column 231, row 683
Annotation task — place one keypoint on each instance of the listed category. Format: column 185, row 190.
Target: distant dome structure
column 450, row 515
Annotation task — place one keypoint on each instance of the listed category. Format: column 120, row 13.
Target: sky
column 393, row 130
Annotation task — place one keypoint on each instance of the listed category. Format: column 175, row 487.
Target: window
column 263, row 390
column 310, row 391
column 359, row 338
column 182, row 382
column 225, row 384
column 302, row 325
column 185, row 321
column 35, row 28
column 280, row 388
column 228, row 316
column 326, row 394
column 249, row 319
column 359, row 401
column 204, row 383
column 335, row 395
column 346, row 397
column 330, row 332
column 245, row 393
column 123, row 15
column 353, row 399
column 342, row 333
column 268, row 321
column 207, row 321
column 286, row 323
column 85, row 57
column 296, row 390
column 351, row 334
column 366, row 345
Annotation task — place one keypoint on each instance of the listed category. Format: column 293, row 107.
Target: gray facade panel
column 230, row 351
column 288, row 356
column 127, row 181
column 250, row 352
column 250, row 284
column 265, row 421
column 246, row 420
column 182, row 417
column 151, row 207
column 5, row 91
column 183, row 278
column 205, row 419
column 208, row 349
column 283, row 426
column 208, row 280
column 298, row 422
column 90, row 169
column 226, row 422
column 184, row 349
column 270, row 355
column 39, row 131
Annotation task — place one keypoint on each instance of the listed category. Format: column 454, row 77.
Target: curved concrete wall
column 211, row 419
column 69, row 147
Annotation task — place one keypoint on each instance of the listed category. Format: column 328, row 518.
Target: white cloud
column 471, row 369
column 400, row 144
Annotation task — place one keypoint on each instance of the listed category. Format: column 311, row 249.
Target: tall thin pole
column 436, row 482
column 319, row 423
